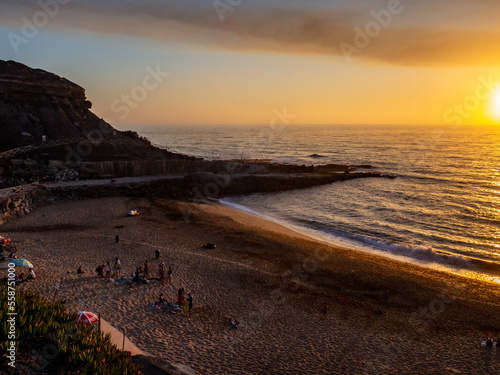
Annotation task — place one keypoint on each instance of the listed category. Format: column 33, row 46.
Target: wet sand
column 271, row 279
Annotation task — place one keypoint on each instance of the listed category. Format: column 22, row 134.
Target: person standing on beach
column 180, row 298
column 325, row 310
column 146, row 270
column 108, row 271
column 161, row 272
column 117, row 267
column 386, row 296
column 169, row 275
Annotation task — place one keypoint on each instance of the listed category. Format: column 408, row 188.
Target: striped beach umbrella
column 22, row 262
column 86, row 317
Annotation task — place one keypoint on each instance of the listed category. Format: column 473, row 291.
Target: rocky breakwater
column 272, row 178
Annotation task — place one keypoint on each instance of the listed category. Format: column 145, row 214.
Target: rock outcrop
column 36, row 105
column 38, row 108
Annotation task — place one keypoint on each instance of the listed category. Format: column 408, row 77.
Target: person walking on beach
column 324, row 311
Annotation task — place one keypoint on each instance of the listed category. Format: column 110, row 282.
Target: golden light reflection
column 495, row 104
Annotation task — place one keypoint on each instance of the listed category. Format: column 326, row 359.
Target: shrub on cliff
column 49, row 341
column 134, row 135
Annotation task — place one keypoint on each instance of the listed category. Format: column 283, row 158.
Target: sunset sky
column 235, row 61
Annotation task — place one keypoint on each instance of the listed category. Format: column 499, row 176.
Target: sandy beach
column 273, row 280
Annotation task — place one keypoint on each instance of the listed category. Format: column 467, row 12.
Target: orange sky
column 343, row 62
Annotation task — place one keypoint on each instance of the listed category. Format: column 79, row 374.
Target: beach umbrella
column 86, row 317
column 22, row 262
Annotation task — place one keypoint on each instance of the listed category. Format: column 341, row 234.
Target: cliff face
column 36, row 103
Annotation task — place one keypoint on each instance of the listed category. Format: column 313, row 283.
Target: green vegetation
column 49, row 340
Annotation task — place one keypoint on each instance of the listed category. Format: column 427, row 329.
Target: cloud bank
column 451, row 33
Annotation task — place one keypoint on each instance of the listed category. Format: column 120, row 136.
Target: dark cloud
column 412, row 37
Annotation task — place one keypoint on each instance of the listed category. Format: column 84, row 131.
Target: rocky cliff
column 35, row 103
column 37, row 106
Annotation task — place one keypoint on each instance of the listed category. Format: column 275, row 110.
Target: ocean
column 441, row 211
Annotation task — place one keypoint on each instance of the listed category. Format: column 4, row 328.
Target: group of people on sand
column 109, row 272
column 184, row 305
column 144, row 272
column 141, row 273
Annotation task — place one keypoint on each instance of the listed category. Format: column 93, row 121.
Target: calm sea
column 442, row 210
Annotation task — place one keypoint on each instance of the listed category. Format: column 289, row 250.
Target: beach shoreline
column 383, row 316
column 472, row 267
